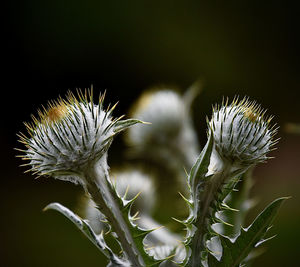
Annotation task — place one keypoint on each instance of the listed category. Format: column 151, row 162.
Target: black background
column 235, row 47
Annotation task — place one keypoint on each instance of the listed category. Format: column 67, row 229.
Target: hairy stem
column 206, row 201
column 99, row 187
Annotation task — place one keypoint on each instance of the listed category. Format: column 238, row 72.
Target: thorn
column 179, row 221
column 134, row 217
column 185, row 171
column 128, row 203
column 126, row 192
column 185, row 199
column 145, row 122
column 226, row 223
column 149, row 248
column 264, row 240
column 226, row 207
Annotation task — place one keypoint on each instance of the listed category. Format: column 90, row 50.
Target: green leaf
column 200, row 168
column 137, row 233
column 235, row 252
column 196, row 181
column 86, row 229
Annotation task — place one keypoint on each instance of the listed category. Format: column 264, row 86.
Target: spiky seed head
column 69, row 135
column 242, row 133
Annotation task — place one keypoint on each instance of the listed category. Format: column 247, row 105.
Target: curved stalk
column 100, row 188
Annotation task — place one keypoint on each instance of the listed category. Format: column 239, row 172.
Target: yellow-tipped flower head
column 241, row 132
column 70, row 135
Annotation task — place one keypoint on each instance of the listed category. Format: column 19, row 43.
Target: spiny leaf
column 86, row 229
column 197, row 179
column 137, row 233
column 168, row 252
column 200, row 168
column 124, row 124
column 235, row 252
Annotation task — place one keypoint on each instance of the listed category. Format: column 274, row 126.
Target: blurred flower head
column 171, row 129
column 166, row 113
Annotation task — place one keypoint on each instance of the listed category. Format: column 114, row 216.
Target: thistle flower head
column 171, row 127
column 242, row 133
column 164, row 110
column 68, row 135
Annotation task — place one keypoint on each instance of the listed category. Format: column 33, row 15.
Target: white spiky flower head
column 242, row 133
column 70, row 135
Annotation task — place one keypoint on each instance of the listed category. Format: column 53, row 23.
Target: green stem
column 206, row 201
column 99, row 187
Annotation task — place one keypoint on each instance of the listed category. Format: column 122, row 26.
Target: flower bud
column 69, row 136
column 242, row 133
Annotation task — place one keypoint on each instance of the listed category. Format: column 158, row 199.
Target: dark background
column 235, row 47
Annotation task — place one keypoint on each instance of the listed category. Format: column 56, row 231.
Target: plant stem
column 206, row 201
column 100, row 188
